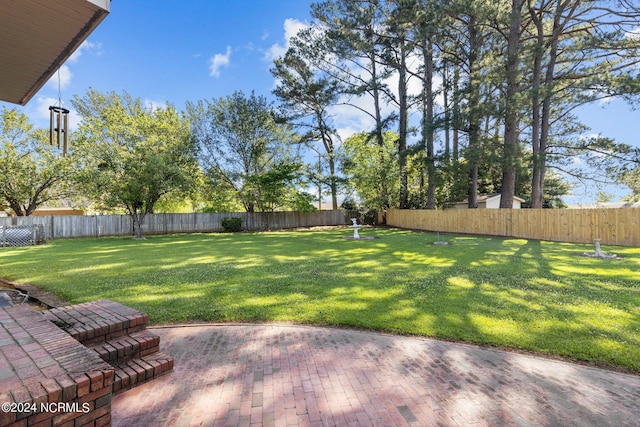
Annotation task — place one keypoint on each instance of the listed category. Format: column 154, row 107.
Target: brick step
column 97, row 321
column 140, row 370
column 118, row 335
column 132, row 346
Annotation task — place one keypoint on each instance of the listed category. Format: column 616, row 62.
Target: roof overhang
column 37, row 37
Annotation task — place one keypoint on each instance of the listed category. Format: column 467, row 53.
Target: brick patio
column 279, row 375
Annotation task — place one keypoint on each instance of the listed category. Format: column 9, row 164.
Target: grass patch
column 531, row 295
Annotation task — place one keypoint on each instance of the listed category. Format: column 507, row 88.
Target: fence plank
column 612, row 226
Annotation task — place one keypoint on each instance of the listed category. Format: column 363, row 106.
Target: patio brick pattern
column 281, row 375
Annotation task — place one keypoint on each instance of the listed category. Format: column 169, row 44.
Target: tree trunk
column 427, row 123
column 136, row 218
column 472, row 187
column 512, row 121
column 379, row 136
column 473, row 150
column 403, row 127
column 334, row 182
column 331, row 160
column 536, row 181
column 447, row 113
column 319, row 182
column 456, row 113
column 546, row 88
column 17, row 209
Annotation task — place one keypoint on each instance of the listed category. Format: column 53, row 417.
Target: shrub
column 231, row 225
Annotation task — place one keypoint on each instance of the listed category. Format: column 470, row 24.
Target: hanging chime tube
column 51, row 125
column 59, row 128
column 66, row 131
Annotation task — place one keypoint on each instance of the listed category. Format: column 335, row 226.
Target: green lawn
column 531, row 295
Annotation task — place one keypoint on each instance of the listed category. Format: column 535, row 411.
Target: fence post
column 52, row 228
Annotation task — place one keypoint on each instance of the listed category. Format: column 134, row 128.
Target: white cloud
column 74, row 120
column 42, row 106
column 218, row 61
column 86, row 46
column 345, row 132
column 633, row 34
column 249, row 47
column 61, row 79
column 152, row 105
column 291, row 28
column 349, row 120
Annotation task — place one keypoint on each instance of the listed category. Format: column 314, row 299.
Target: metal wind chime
column 59, row 127
column 59, row 123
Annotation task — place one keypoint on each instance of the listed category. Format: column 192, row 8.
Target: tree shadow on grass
column 520, row 302
column 581, row 316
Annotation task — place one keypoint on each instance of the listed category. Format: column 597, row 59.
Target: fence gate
column 21, row 235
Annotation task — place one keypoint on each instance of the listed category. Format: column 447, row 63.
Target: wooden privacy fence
column 611, row 226
column 59, row 227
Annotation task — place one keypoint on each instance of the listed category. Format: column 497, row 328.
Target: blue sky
column 167, row 51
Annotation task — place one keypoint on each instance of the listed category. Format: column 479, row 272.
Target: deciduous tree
column 632, row 180
column 361, row 161
column 131, row 154
column 242, row 146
